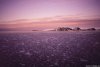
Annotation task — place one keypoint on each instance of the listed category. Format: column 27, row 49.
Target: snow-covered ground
column 49, row 49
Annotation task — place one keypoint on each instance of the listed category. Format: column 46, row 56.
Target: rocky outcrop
column 91, row 29
column 74, row 29
column 63, row 29
column 77, row 29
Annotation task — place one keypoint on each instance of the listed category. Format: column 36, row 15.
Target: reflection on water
column 49, row 49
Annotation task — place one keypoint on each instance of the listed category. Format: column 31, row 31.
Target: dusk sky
column 38, row 14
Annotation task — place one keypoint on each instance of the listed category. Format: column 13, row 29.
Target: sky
column 43, row 14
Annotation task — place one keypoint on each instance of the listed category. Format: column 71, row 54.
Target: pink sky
column 49, row 13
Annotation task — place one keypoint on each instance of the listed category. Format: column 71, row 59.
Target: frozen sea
column 49, row 49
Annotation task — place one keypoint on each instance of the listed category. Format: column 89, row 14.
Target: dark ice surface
column 49, row 49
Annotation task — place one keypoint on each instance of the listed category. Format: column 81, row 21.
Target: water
column 49, row 49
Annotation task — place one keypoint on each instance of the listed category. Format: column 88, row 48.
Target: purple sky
column 37, row 10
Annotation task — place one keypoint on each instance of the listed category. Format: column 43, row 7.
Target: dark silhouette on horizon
column 74, row 29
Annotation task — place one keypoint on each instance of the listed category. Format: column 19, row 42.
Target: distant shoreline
column 69, row 29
